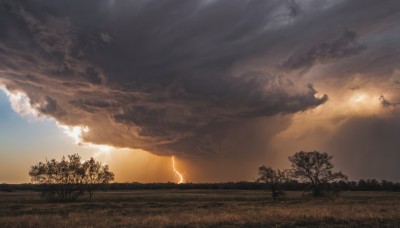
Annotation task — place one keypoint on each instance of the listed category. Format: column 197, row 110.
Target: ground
column 201, row 208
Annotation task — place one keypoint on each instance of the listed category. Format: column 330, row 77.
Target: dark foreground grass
column 202, row 208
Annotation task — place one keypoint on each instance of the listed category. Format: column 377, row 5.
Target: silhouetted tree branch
column 273, row 178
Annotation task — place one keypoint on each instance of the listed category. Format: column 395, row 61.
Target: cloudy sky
column 223, row 85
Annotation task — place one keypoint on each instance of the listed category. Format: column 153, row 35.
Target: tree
column 68, row 179
column 315, row 168
column 95, row 173
column 273, row 178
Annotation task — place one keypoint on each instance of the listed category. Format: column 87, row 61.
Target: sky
column 224, row 86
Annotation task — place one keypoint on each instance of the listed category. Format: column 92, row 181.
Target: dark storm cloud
column 175, row 76
column 327, row 52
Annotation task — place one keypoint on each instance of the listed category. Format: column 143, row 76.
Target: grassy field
column 201, row 208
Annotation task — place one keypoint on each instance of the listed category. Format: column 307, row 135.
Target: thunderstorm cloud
column 187, row 77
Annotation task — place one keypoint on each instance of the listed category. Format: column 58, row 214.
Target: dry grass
column 222, row 208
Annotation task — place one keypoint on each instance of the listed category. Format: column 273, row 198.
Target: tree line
column 293, row 185
column 360, row 185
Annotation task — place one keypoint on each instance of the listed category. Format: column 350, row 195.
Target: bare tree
column 315, row 168
column 273, row 178
column 68, row 179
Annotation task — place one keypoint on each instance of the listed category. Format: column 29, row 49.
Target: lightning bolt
column 176, row 171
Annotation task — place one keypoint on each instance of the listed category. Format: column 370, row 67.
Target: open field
column 201, row 208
